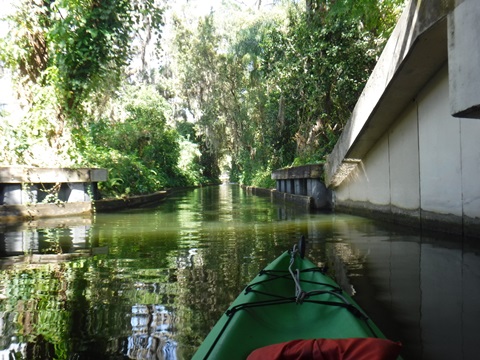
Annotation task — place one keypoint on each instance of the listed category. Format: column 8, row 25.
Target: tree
column 320, row 64
column 267, row 88
column 274, row 89
column 137, row 146
column 199, row 62
column 69, row 57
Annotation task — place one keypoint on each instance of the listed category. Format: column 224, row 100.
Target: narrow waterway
column 149, row 284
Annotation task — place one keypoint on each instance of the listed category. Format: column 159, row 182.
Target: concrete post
column 77, row 193
column 298, row 186
column 12, row 194
column 463, row 55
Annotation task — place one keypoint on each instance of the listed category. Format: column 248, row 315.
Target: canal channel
column 151, row 283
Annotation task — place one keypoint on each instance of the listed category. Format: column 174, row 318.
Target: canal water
column 150, row 284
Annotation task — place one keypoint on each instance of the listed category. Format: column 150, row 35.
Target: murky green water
column 149, row 284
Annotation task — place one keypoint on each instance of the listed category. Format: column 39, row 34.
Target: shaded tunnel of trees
column 162, row 94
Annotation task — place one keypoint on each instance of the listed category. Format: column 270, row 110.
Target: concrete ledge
column 107, row 205
column 299, row 172
column 36, row 211
column 464, row 52
column 259, row 191
column 15, row 213
column 471, row 227
column 302, row 200
column 447, row 223
column 387, row 213
column 424, row 220
column 23, row 174
column 306, row 181
column 22, row 185
column 273, row 194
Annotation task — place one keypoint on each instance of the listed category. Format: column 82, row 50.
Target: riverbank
column 34, row 211
column 59, row 209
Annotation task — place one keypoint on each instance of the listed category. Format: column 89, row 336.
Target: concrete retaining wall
column 301, row 200
column 108, row 205
column 424, row 171
column 26, row 185
column 303, row 181
column 410, row 156
column 28, row 193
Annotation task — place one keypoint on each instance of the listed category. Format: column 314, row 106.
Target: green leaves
column 264, row 89
column 139, row 148
column 320, row 65
column 284, row 86
column 88, row 42
column 68, row 58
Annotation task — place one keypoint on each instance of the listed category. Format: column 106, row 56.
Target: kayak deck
column 275, row 307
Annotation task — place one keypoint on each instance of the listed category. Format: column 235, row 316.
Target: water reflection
column 421, row 289
column 66, row 235
column 151, row 283
column 152, row 337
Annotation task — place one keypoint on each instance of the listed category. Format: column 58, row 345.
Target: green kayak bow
column 290, row 299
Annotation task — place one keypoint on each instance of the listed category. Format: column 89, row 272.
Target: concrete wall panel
column 470, row 140
column 377, row 173
column 342, row 193
column 357, row 183
column 404, row 166
column 463, row 55
column 439, row 138
column 403, row 152
column 369, row 182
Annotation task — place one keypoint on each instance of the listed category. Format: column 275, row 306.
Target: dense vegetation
column 163, row 97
